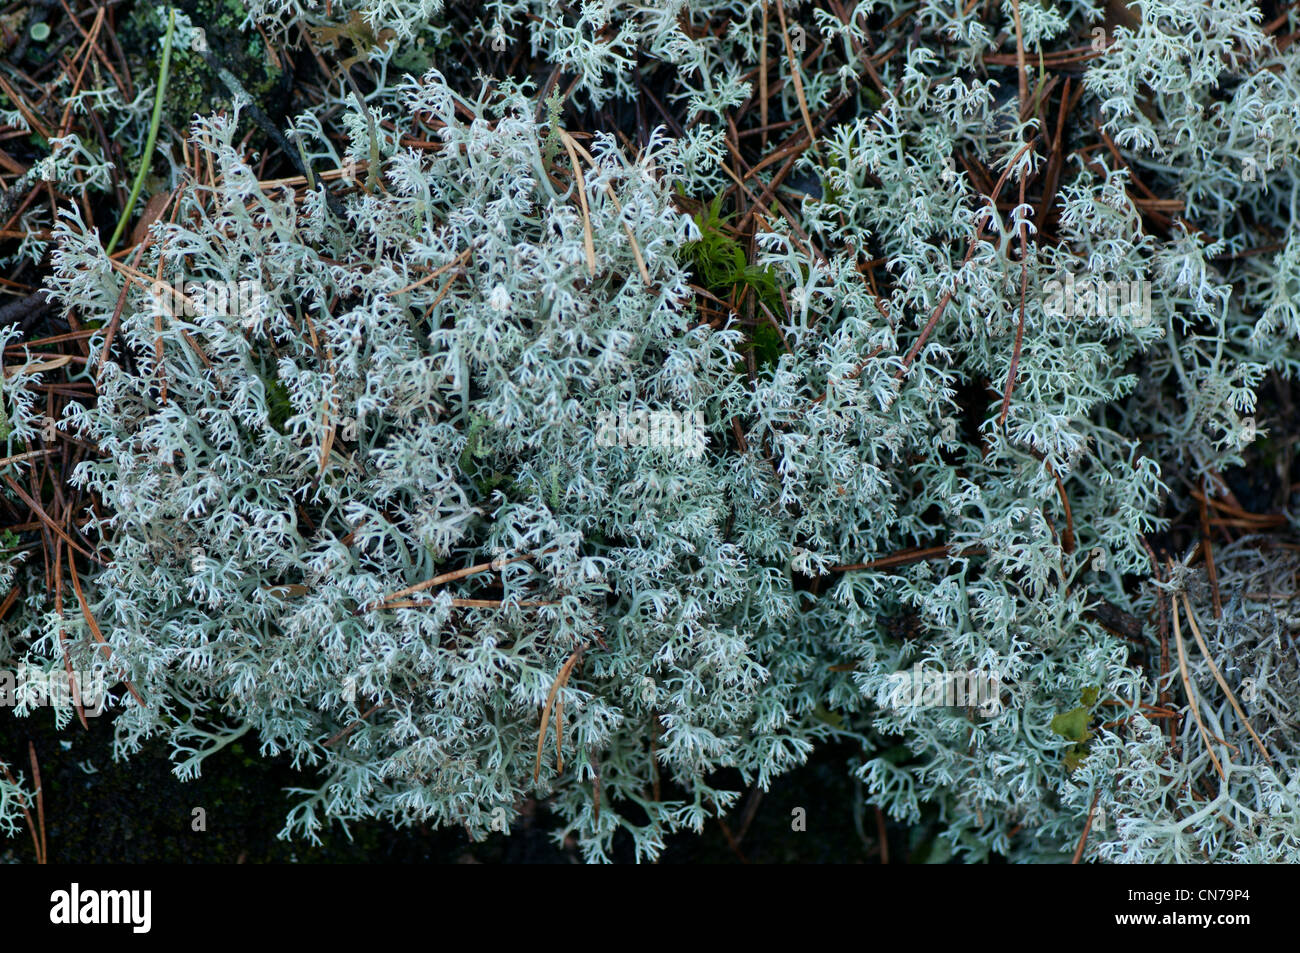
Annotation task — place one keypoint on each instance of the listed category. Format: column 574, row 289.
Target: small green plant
column 721, row 263
column 1073, row 726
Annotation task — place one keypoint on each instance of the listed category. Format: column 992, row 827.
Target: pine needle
column 588, row 242
column 1196, row 631
column 1193, row 701
column 561, row 679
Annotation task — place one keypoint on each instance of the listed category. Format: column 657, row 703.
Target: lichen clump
column 403, row 516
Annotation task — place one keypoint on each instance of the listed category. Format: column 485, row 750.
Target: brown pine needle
column 631, row 237
column 910, row 556
column 44, row 856
column 452, row 576
column 460, row 261
column 63, row 636
column 762, row 79
column 344, row 732
column 1193, row 702
column 94, row 629
column 8, row 602
column 27, row 814
column 113, row 322
column 1087, row 828
column 1021, row 73
column 1207, row 547
column 970, row 250
column 796, row 70
column 1020, row 324
column 46, row 519
column 561, row 679
column 462, row 604
column 588, row 243
column 1196, row 631
column 559, row 734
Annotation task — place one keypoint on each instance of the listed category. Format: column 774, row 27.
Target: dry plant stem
column 1205, row 650
column 588, row 243
column 1067, row 541
column 1087, row 827
column 1020, row 324
column 63, row 637
column 561, row 679
column 446, row 577
column 27, row 814
column 910, row 556
column 463, row 604
column 1162, row 696
column 29, row 455
column 762, row 79
column 344, row 732
column 40, row 802
column 795, row 71
column 94, row 628
column 970, row 251
column 117, row 311
column 1193, row 701
column 1207, row 547
column 631, row 236
column 1021, row 74
column 459, row 262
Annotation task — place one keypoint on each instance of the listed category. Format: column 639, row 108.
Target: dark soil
column 136, row 811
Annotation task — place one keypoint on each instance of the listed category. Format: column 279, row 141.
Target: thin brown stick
column 1067, row 541
column 1205, row 650
column 1193, row 701
column 344, row 732
column 459, row 260
column 1021, row 73
column 111, row 332
column 587, row 242
column 27, row 814
column 463, row 604
column 795, row 71
column 762, row 78
column 910, row 556
column 40, row 803
column 452, row 576
column 1087, row 827
column 94, row 628
column 970, row 250
column 1020, row 324
column 561, row 678
column 63, row 636
column 29, row 455
column 1207, row 547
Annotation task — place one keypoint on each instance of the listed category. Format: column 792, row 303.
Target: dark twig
column 26, row 311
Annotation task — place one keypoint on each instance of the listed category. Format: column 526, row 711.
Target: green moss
column 193, row 88
column 279, row 408
column 724, row 270
column 1073, row 725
